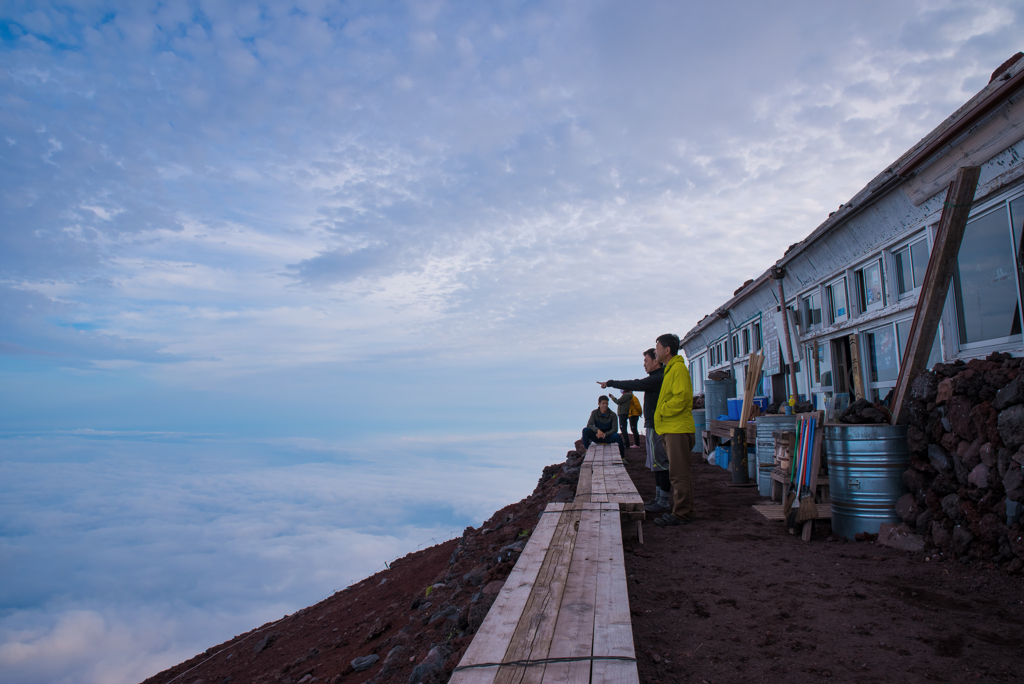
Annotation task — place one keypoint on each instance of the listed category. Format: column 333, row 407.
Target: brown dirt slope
column 734, row 598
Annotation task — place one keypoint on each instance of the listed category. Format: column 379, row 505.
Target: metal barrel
column 716, row 397
column 698, row 428
column 865, row 475
column 766, row 425
column 764, row 480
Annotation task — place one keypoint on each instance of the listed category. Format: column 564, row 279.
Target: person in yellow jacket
column 629, row 414
column 634, row 416
column 673, row 420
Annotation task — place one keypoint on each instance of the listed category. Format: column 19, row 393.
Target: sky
column 291, row 289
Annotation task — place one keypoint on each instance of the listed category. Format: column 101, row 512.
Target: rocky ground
column 729, row 598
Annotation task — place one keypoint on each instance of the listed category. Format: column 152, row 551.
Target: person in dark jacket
column 603, row 427
column 657, row 458
column 622, row 413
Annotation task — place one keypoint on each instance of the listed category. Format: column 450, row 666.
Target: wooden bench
column 563, row 613
column 603, row 479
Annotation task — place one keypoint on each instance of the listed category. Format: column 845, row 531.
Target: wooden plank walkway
column 563, row 613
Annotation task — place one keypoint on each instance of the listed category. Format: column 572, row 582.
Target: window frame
column 829, row 295
column 979, row 212
column 862, row 303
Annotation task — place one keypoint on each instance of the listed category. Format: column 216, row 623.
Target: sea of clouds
column 123, row 554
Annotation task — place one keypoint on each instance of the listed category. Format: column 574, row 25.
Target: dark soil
column 735, row 598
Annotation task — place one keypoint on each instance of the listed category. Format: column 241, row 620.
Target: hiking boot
column 660, row 503
column 656, row 507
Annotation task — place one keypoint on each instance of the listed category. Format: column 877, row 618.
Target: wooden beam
column 858, row 380
column 932, row 298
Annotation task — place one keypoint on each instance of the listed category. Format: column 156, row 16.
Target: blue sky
column 289, row 289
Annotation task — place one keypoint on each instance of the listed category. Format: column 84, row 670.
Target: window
column 883, row 365
column 985, row 283
column 838, row 307
column 870, row 281
column 911, row 263
column 746, row 341
column 903, row 333
column 812, row 311
column 757, row 337
column 735, row 346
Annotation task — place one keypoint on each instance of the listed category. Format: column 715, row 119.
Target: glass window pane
column 872, row 276
column 837, row 297
column 919, row 256
column 812, row 310
column 822, row 366
column 903, row 333
column 904, row 271
column 986, row 288
column 757, row 336
column 882, row 354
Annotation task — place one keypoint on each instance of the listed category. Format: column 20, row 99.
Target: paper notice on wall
column 794, row 338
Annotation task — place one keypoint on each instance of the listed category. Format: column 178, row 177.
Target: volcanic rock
column 1012, row 394
column 1011, row 426
column 939, row 459
column 365, row 662
column 900, row 537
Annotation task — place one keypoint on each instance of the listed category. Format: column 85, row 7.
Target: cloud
column 32, row 324
column 178, row 543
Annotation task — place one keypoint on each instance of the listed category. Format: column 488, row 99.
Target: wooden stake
column 858, row 381
column 941, row 265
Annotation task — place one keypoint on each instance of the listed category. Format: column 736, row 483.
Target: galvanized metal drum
column 764, row 480
column 716, row 396
column 766, row 425
column 865, row 475
column 698, row 428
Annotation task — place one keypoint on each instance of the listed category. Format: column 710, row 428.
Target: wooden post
column 858, row 380
column 778, row 274
column 738, row 456
column 937, row 277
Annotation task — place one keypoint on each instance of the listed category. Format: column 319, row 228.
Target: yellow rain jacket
column 634, row 407
column 675, row 403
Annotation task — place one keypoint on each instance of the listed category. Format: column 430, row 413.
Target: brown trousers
column 678, row 445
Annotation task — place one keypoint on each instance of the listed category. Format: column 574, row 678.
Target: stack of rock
column 863, row 411
column 965, row 436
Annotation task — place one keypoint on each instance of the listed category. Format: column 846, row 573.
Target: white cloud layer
column 126, row 554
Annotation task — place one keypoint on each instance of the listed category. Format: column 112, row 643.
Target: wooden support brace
column 941, row 265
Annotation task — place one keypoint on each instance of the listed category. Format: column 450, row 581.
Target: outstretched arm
column 640, row 385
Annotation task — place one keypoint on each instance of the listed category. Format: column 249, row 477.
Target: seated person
column 603, row 427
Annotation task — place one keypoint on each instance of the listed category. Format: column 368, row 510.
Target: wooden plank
column 574, row 627
column 858, row 380
column 937, row 277
column 532, row 637
column 491, row 640
column 773, row 512
column 613, row 627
